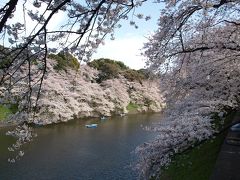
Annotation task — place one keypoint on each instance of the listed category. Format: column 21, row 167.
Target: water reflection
column 71, row 151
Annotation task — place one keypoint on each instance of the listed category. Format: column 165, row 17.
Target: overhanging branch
column 11, row 6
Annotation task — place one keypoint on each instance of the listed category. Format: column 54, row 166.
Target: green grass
column 196, row 163
column 6, row 111
column 132, row 107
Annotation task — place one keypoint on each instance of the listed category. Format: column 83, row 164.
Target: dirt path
column 228, row 163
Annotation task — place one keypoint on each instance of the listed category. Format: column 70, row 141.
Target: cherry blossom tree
column 26, row 43
column 196, row 53
column 195, row 50
column 27, row 37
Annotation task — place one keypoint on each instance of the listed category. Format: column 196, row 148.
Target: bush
column 64, row 60
column 133, row 75
column 146, row 73
column 5, row 60
column 100, row 63
column 111, row 69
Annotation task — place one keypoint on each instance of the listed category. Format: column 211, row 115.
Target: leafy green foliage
column 99, row 64
column 133, row 75
column 5, row 111
column 108, row 71
column 146, row 73
column 132, row 107
column 5, row 61
column 111, row 69
column 64, row 60
column 7, row 56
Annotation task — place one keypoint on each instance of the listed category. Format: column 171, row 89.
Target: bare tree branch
column 11, row 6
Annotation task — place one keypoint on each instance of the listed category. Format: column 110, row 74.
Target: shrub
column 146, row 73
column 109, row 71
column 64, row 60
column 5, row 60
column 133, row 75
column 100, row 63
column 109, row 68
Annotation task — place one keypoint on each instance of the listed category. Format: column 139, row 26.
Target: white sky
column 126, row 47
column 129, row 41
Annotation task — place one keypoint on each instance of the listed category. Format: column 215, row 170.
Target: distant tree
column 147, row 73
column 65, row 60
column 111, row 69
column 133, row 75
column 100, row 63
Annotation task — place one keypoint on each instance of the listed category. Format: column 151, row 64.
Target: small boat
column 236, row 127
column 103, row 118
column 91, row 125
column 122, row 114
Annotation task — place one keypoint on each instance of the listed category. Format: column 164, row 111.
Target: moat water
column 71, row 151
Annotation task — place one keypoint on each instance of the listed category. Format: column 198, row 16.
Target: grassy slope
column 5, row 111
column 197, row 163
column 132, row 107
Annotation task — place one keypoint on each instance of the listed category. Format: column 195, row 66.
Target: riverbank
column 2, row 125
column 196, row 163
column 71, row 93
column 134, row 111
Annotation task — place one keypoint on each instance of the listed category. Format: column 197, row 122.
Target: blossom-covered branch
column 26, row 43
column 196, row 53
